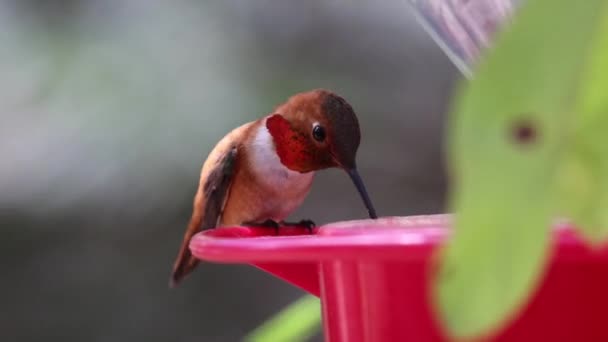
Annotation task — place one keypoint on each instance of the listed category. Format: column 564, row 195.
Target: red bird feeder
column 374, row 277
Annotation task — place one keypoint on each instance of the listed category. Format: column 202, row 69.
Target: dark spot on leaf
column 524, row 132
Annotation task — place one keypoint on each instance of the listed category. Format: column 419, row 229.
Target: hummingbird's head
column 317, row 130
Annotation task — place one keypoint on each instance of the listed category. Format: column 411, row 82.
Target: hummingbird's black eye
column 318, row 133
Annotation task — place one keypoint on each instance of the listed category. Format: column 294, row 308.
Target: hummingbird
column 262, row 171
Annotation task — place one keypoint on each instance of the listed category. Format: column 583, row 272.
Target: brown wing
column 207, row 211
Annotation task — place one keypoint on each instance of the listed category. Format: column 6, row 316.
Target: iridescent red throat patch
column 292, row 147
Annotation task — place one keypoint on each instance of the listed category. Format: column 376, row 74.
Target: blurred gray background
column 108, row 109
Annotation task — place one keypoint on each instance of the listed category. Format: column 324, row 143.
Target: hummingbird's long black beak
column 354, row 175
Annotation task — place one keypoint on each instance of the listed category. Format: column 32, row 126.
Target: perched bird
column 262, row 171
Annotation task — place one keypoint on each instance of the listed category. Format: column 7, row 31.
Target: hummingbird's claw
column 308, row 224
column 266, row 224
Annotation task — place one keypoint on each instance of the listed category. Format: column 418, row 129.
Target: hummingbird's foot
column 308, row 224
column 266, row 224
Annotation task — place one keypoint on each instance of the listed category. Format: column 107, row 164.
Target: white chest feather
column 290, row 187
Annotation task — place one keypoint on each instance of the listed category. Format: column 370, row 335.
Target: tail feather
column 208, row 206
column 185, row 262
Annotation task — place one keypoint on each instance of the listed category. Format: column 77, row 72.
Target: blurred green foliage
column 526, row 143
column 298, row 322
column 583, row 172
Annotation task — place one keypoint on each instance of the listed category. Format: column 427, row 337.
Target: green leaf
column 297, row 322
column 509, row 144
column 584, row 173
